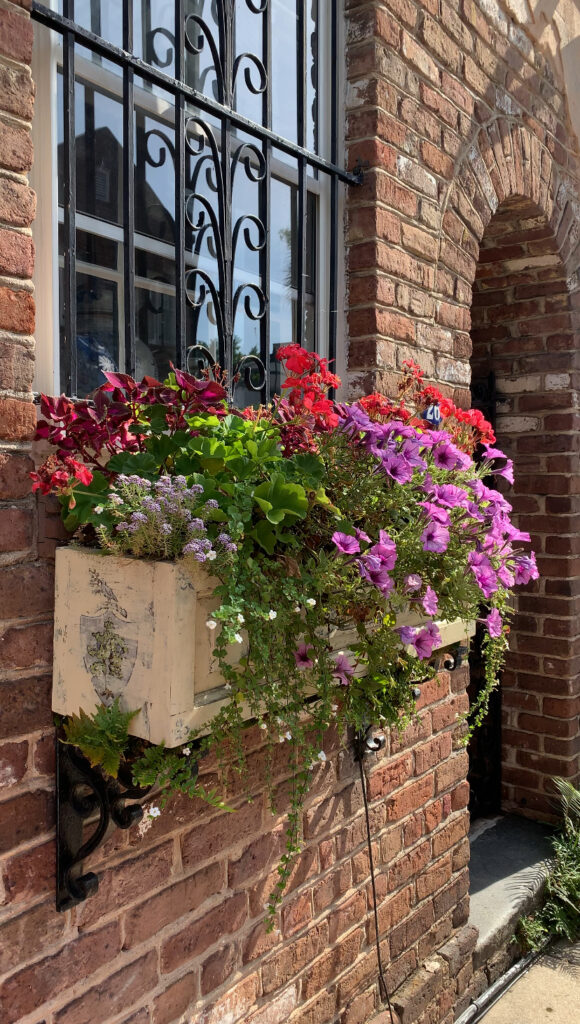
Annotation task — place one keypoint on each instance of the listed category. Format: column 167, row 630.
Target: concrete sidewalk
column 548, row 993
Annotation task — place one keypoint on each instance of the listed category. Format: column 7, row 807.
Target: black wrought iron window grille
column 198, row 185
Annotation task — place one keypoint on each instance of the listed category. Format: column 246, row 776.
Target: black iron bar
column 129, row 194
column 301, row 206
column 70, row 205
column 119, row 56
column 333, row 255
column 180, row 335
column 266, row 198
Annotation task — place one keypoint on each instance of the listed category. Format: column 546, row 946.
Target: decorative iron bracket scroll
column 83, row 793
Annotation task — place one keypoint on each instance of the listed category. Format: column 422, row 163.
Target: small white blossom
column 334, row 707
column 99, row 509
column 238, row 638
column 227, row 686
column 297, row 609
column 272, row 614
column 288, row 735
column 241, row 619
column 321, row 756
column 211, row 624
column 211, row 556
column 186, row 751
column 263, row 725
column 154, row 811
column 310, row 602
column 280, row 739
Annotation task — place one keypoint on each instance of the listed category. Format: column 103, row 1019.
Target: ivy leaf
column 102, row 736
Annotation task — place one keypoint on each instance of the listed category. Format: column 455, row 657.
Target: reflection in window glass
column 98, row 148
column 154, row 178
column 97, row 331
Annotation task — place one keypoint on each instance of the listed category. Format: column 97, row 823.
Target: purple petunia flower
column 385, row 550
column 440, row 515
column 525, row 568
column 407, row 634
column 445, row 456
column 425, row 640
column 435, row 537
column 397, row 467
column 450, row 495
column 361, row 535
column 302, row 657
column 430, row 601
column 494, row 623
column 346, row 545
column 343, row 669
column 413, row 581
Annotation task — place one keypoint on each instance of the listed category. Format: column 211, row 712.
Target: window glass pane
column 284, row 69
column 201, row 30
column 154, row 33
column 155, row 314
column 250, row 81
column 154, row 177
column 97, row 331
column 98, row 149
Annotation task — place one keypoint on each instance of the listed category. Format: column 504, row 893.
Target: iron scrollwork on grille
column 214, row 157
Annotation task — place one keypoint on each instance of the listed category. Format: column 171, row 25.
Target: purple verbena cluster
column 164, row 519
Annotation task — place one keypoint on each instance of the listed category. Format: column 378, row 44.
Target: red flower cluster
column 59, row 473
column 309, row 390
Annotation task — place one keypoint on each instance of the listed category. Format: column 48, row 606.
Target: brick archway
column 508, row 251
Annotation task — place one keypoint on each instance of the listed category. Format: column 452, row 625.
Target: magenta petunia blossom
column 435, row 538
column 525, row 568
column 445, row 456
column 343, row 669
column 302, row 656
column 346, row 545
column 425, row 640
column 440, row 515
column 407, row 634
column 397, row 468
column 413, row 581
column 430, row 602
column 494, row 623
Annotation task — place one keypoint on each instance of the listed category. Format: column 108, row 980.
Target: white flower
column 321, row 756
column 297, row 609
column 186, row 751
column 280, row 739
column 211, row 624
column 154, row 811
column 238, row 638
column 263, row 725
column 288, row 735
column 334, row 707
column 310, row 602
column 272, row 614
column 227, row 686
column 211, row 556
column 241, row 619
column 99, row 509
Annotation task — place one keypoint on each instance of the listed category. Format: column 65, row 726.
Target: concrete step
column 509, row 862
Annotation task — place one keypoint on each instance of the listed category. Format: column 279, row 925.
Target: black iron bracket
column 83, row 793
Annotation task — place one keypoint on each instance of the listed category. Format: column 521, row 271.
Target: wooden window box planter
column 137, row 629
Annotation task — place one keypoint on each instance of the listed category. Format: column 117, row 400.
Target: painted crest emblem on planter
column 109, row 649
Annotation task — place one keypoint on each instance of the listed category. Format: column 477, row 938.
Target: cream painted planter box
column 134, row 629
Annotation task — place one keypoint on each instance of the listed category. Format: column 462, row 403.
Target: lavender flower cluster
column 477, row 514
column 164, row 519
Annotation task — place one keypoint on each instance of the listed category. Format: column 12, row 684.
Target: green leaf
column 141, row 463
column 102, row 736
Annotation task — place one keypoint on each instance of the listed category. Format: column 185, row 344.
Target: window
column 193, row 193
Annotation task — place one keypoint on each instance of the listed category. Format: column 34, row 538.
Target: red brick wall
column 455, row 113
